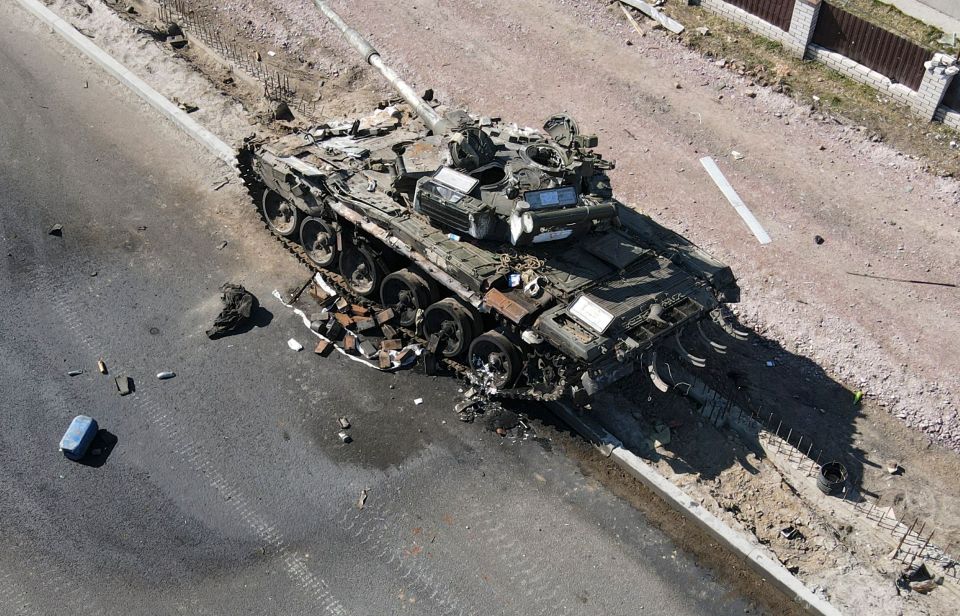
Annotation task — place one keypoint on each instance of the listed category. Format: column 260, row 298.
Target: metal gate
column 863, row 42
column 776, row 12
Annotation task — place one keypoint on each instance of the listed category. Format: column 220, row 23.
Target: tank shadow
column 759, row 387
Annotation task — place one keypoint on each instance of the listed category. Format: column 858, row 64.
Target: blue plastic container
column 78, row 437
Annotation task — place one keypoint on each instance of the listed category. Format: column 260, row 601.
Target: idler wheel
column 493, row 353
column 405, row 292
column 282, row 217
column 319, row 239
column 361, row 269
column 452, row 322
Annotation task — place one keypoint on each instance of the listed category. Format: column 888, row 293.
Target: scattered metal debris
column 344, row 423
column 75, row 373
column 56, row 230
column 418, row 401
column 362, row 501
column 102, row 367
column 344, row 437
column 294, row 345
column 167, row 374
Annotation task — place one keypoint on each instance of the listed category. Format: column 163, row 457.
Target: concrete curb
column 746, row 547
column 156, row 100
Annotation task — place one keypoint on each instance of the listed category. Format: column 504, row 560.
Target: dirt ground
column 658, row 107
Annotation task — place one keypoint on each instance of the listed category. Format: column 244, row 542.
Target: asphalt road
column 228, row 491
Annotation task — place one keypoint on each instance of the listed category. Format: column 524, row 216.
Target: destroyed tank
column 502, row 248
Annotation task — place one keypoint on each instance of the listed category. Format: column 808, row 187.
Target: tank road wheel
column 406, row 293
column 361, row 269
column 493, row 353
column 319, row 240
column 282, row 217
column 452, row 322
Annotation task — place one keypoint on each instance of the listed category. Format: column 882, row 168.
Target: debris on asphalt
column 737, row 155
column 352, row 329
column 294, row 345
column 367, row 349
column 344, row 437
column 56, row 230
column 238, row 305
column 222, row 183
column 222, row 245
column 344, row 423
column 102, row 366
column 124, row 385
column 75, row 373
column 819, row 240
column 893, row 467
column 166, row 374
column 418, row 401
column 362, row 501
column 78, row 437
column 857, row 396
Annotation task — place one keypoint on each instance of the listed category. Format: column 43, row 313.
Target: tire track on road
column 188, row 450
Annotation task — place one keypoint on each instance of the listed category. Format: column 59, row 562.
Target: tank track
column 337, row 281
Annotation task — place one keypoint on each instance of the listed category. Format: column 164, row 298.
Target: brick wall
column 752, row 22
column 949, row 117
column 925, row 102
column 862, row 74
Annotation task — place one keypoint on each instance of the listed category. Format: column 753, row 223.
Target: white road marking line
column 724, row 185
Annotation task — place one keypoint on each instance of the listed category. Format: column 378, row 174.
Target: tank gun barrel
column 372, row 57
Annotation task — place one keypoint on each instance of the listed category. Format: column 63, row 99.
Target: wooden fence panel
column 865, row 43
column 776, row 12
